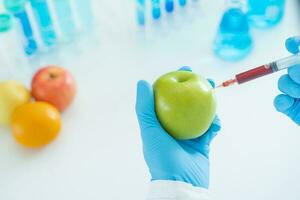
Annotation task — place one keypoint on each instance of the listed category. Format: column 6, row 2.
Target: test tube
column 182, row 2
column 85, row 14
column 44, row 21
column 141, row 9
column 65, row 19
column 169, row 5
column 265, row 13
column 156, row 12
column 233, row 40
column 12, row 56
column 17, row 8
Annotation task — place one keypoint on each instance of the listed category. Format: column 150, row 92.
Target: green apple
column 185, row 104
column 12, row 95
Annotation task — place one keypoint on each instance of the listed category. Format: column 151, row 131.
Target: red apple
column 54, row 85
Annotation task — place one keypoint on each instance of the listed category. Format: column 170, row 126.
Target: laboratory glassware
column 169, row 5
column 233, row 40
column 43, row 18
column 156, row 11
column 85, row 14
column 265, row 13
column 141, row 11
column 17, row 8
column 65, row 18
column 12, row 56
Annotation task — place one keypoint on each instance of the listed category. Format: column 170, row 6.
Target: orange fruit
column 36, row 124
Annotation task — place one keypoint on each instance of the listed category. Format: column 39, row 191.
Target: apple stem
column 52, row 76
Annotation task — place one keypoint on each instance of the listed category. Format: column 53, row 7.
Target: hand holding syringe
column 263, row 70
column 288, row 101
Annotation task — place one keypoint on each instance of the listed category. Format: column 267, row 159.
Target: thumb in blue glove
column 167, row 158
column 289, row 84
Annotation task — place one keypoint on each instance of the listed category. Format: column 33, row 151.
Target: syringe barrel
column 287, row 62
column 254, row 73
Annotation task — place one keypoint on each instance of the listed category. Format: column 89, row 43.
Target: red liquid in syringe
column 249, row 75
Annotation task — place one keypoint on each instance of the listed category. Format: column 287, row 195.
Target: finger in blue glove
column 185, row 68
column 294, row 73
column 288, row 86
column 292, row 44
column 283, row 103
column 288, row 106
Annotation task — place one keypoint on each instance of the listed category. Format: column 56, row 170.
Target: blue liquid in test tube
column 65, row 18
column 31, row 46
column 169, row 5
column 141, row 9
column 85, row 14
column 42, row 15
column 17, row 8
column 265, row 13
column 233, row 41
column 182, row 2
column 156, row 12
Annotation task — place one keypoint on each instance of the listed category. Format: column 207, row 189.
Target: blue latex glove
column 167, row 158
column 289, row 102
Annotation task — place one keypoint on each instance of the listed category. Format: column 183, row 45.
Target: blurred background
column 109, row 46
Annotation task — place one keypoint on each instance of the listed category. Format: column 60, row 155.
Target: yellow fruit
column 36, row 124
column 12, row 95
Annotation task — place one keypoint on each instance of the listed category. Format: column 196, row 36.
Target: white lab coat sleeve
column 176, row 190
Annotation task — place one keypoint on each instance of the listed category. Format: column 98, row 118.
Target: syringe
column 262, row 70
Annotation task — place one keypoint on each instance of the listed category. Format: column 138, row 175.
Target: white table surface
column 98, row 154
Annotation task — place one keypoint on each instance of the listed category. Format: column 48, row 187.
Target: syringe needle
column 219, row 86
column 227, row 83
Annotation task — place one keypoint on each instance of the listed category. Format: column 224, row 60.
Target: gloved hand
column 167, row 158
column 289, row 102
